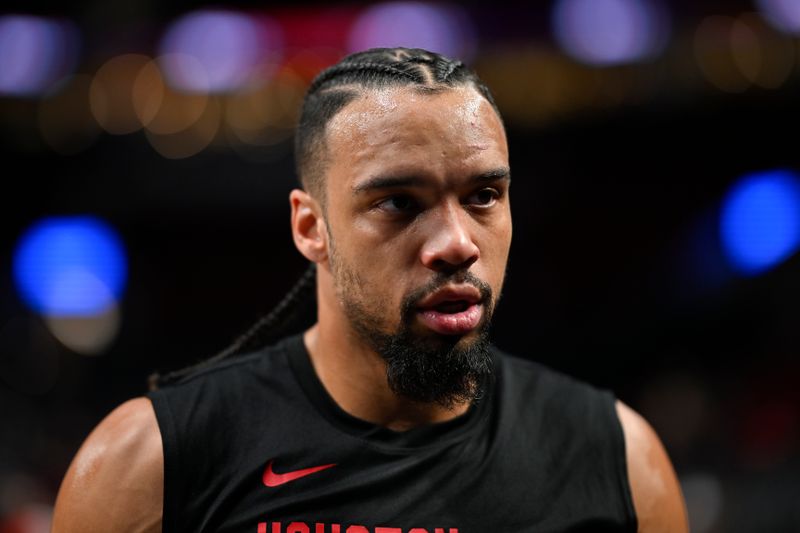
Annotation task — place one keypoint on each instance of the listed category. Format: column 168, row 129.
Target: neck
column 355, row 376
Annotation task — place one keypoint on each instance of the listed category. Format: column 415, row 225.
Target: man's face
column 419, row 218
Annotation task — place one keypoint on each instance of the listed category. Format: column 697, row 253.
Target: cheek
column 377, row 259
column 374, row 270
column 495, row 253
column 386, row 250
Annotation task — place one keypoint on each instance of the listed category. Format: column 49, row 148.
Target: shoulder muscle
column 116, row 480
column 655, row 489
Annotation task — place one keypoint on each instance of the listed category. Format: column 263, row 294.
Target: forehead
column 400, row 129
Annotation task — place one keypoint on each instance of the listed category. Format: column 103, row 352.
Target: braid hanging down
column 295, row 310
column 329, row 93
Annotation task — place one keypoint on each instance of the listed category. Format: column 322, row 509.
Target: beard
column 426, row 366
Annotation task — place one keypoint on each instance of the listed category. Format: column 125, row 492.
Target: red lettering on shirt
column 303, row 527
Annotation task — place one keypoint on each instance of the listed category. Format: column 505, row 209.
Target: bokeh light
column 111, row 94
column 161, row 109
column 610, row 32
column 782, row 14
column 86, row 335
column 720, row 62
column 737, row 53
column 764, row 55
column 308, row 62
column 266, row 116
column 442, row 28
column 229, row 50
column 188, row 141
column 531, row 96
column 746, row 49
column 35, row 53
column 66, row 123
column 760, row 221
column 70, row 266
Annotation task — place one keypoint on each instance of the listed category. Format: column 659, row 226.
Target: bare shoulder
column 116, row 480
column 656, row 492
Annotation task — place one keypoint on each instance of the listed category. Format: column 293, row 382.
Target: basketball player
column 392, row 413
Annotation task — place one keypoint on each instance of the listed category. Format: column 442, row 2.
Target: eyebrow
column 393, row 182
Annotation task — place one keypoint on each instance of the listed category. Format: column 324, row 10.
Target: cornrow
column 328, row 94
column 449, row 69
column 336, row 86
column 341, row 69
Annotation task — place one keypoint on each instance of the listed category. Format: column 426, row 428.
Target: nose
column 449, row 246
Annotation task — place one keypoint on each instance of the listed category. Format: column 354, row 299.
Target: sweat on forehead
column 442, row 138
column 374, row 116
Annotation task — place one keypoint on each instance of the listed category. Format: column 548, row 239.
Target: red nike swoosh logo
column 271, row 479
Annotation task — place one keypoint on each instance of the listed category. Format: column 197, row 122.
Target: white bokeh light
column 218, row 51
column 35, row 53
column 441, row 28
column 610, row 32
column 782, row 14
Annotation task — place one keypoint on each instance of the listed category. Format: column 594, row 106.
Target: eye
column 399, row 203
column 484, row 197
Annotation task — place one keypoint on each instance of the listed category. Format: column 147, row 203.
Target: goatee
column 428, row 367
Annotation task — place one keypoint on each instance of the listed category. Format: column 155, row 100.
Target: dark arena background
column 147, row 160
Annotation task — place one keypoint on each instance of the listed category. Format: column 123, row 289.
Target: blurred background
column 147, row 155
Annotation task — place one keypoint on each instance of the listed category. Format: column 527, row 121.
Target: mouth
column 452, row 311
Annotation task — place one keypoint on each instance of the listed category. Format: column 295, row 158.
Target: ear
column 308, row 226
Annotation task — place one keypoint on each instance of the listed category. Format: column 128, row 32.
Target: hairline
column 360, row 91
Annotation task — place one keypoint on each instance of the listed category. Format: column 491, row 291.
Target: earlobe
column 308, row 226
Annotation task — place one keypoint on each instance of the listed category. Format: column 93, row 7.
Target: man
column 392, row 413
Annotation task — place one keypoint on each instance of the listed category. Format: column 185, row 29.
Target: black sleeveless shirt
column 256, row 445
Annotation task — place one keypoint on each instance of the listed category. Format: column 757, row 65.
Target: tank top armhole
column 169, row 442
column 622, row 466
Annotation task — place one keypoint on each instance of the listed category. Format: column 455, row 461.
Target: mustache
column 410, row 302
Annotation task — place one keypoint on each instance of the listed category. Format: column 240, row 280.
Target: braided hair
column 377, row 68
column 297, row 308
column 329, row 93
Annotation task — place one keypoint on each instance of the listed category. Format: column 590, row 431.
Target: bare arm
column 655, row 489
column 116, row 480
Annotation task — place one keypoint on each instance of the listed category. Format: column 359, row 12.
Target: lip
column 462, row 293
column 459, row 323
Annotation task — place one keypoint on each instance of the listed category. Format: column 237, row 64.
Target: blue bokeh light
column 70, row 266
column 760, row 221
